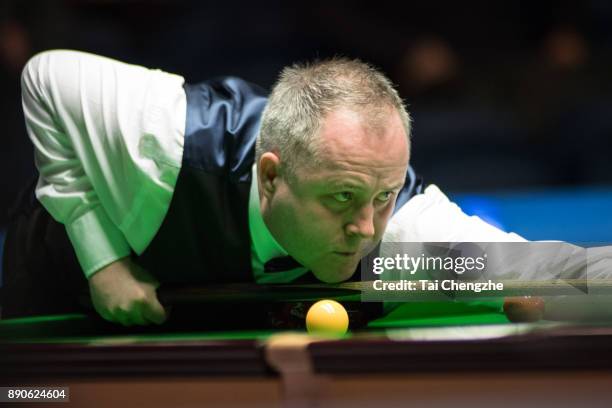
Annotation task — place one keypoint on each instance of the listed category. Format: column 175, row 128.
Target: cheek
column 314, row 225
column 282, row 217
column 300, row 224
column 382, row 219
column 315, row 232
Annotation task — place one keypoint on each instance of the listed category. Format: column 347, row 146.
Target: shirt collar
column 263, row 245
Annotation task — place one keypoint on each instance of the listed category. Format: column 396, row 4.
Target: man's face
column 329, row 217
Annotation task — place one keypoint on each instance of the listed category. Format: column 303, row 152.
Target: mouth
column 345, row 254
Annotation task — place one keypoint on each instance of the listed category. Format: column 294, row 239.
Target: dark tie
column 281, row 264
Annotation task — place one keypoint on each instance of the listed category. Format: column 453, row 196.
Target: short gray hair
column 305, row 93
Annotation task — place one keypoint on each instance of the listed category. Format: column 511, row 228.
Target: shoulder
column 433, row 217
column 230, row 90
column 222, row 122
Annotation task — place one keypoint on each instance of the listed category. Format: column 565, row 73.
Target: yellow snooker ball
column 327, row 317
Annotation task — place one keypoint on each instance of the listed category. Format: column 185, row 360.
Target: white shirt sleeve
column 108, row 138
column 432, row 217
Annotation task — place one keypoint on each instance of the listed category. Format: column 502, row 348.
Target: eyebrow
column 342, row 186
column 354, row 186
column 397, row 186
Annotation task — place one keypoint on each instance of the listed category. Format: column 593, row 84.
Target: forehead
column 356, row 143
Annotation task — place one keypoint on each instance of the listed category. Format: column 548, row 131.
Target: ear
column 268, row 173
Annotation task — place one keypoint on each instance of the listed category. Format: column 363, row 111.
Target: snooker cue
column 352, row 292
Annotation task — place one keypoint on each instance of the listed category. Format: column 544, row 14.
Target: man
column 156, row 182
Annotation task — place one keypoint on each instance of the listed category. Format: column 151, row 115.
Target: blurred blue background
column 578, row 215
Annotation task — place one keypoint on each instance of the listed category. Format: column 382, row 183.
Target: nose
column 362, row 223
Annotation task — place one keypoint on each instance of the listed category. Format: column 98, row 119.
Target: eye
column 343, row 197
column 386, row 196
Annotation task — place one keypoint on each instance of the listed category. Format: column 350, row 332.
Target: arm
column 80, row 110
column 432, row 217
column 58, row 122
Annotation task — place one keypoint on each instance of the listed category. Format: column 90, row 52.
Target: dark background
column 505, row 95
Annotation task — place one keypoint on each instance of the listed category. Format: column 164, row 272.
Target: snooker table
column 419, row 354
